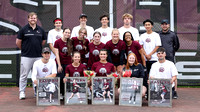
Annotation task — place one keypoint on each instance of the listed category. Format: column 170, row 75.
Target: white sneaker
column 104, row 100
column 129, row 101
column 67, row 100
column 22, row 95
column 110, row 100
column 81, row 101
column 133, row 102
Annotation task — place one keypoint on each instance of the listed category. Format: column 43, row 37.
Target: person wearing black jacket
column 170, row 42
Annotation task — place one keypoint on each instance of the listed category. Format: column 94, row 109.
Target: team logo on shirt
column 64, row 50
column 102, row 70
column 130, row 51
column 79, row 47
column 95, row 52
column 58, row 36
column 104, row 34
column 161, row 69
column 45, row 69
column 148, row 40
column 76, row 74
column 115, row 51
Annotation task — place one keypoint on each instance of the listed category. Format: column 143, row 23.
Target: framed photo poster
column 130, row 91
column 160, row 93
column 48, row 91
column 103, row 91
column 76, row 90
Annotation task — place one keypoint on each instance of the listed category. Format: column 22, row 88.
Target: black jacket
column 171, row 44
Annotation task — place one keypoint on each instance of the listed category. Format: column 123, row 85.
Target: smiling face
column 67, row 33
column 115, row 35
column 32, row 20
column 97, row 38
column 128, row 37
column 165, row 27
column 161, row 56
column 131, row 59
column 82, row 33
column 46, row 55
column 58, row 24
column 76, row 58
column 148, row 26
column 103, row 55
column 83, row 20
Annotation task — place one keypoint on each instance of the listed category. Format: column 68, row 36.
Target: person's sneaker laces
column 22, row 95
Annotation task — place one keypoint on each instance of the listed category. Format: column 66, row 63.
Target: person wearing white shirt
column 127, row 19
column 104, row 29
column 83, row 21
column 150, row 41
column 44, row 67
column 54, row 34
column 164, row 69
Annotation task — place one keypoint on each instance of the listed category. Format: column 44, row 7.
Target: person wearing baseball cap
column 171, row 44
column 83, row 21
column 43, row 68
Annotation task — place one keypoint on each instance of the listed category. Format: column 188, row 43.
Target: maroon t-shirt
column 63, row 52
column 94, row 53
column 103, row 69
column 134, row 47
column 106, row 85
column 75, row 71
column 78, row 46
column 115, row 50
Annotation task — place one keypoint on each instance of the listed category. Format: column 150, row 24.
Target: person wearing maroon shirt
column 94, row 48
column 75, row 91
column 116, row 49
column 63, row 50
column 133, row 46
column 80, row 44
column 103, row 68
column 76, row 68
column 106, row 89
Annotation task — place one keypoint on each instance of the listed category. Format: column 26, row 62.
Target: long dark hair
column 69, row 43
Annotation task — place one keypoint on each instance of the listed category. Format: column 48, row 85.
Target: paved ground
column 188, row 101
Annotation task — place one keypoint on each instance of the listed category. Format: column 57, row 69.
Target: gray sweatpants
column 25, row 67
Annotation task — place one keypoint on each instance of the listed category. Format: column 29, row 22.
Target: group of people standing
column 104, row 50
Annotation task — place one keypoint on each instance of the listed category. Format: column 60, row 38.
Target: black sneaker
column 175, row 96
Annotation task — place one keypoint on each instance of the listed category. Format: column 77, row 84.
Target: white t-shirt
column 164, row 70
column 149, row 42
column 134, row 32
column 89, row 29
column 40, row 69
column 105, row 34
column 54, row 35
column 51, row 87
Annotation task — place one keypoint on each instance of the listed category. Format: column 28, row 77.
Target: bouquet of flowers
column 115, row 75
column 127, row 73
column 89, row 74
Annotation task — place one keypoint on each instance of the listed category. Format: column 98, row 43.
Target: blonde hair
column 31, row 14
column 127, row 15
column 115, row 29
